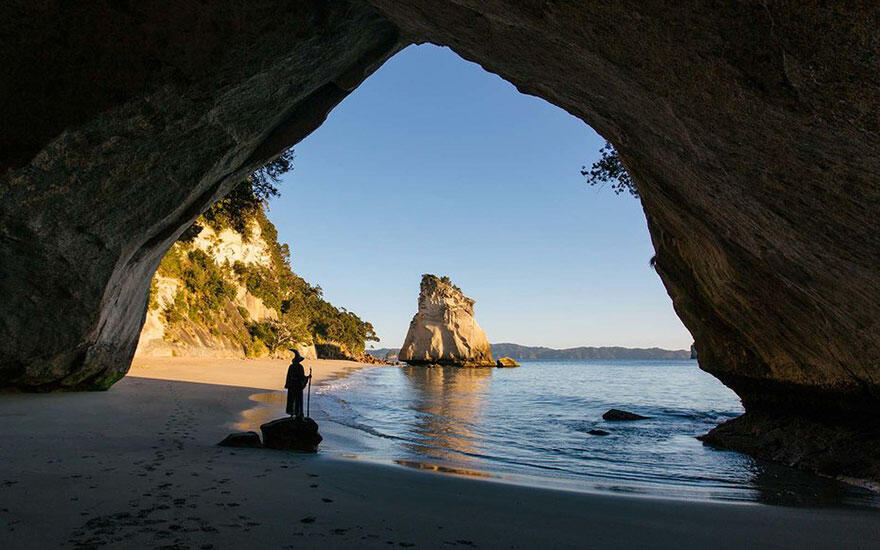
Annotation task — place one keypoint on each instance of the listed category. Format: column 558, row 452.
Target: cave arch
column 751, row 130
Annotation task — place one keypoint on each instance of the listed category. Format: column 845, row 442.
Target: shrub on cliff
column 206, row 297
column 237, row 209
column 609, row 169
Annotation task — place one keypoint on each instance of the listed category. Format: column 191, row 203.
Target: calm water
column 530, row 425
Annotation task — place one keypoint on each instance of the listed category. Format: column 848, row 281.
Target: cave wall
column 124, row 121
column 751, row 129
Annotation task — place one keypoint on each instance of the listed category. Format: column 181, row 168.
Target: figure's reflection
column 449, row 402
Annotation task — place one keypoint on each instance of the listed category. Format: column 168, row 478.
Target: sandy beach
column 138, row 467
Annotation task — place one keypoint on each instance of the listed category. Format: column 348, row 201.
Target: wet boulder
column 598, row 432
column 619, row 415
column 291, row 433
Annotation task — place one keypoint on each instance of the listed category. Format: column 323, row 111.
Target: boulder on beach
column 291, row 433
column 242, row 439
column 444, row 330
column 506, row 363
column 618, row 415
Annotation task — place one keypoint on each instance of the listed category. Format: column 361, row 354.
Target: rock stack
column 444, row 331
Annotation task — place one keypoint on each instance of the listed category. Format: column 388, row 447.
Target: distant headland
column 538, row 353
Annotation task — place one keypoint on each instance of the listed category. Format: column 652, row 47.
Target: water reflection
column 449, row 403
column 270, row 405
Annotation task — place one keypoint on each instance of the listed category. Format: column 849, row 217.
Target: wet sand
column 138, row 467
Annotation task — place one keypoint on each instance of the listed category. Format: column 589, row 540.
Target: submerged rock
column 242, row 439
column 444, row 330
column 298, row 434
column 598, row 432
column 619, row 415
column 506, row 362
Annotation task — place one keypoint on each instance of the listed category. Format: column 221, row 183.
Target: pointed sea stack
column 444, row 331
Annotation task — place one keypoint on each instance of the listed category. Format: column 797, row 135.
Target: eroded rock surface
column 752, row 133
column 443, row 331
column 121, row 124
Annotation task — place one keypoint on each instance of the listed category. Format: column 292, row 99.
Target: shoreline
column 796, row 490
column 138, row 466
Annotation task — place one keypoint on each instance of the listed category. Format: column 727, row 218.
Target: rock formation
column 506, row 363
column 291, row 433
column 444, row 330
column 226, row 336
column 618, row 415
column 751, row 132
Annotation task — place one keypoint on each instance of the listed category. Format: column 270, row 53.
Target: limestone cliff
column 444, row 330
column 173, row 328
column 226, row 289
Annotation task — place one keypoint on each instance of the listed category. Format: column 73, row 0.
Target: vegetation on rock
column 609, row 169
column 206, row 297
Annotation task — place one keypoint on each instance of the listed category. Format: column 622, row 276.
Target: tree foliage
column 247, row 198
column 609, row 169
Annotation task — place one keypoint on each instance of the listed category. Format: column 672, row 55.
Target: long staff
column 309, row 398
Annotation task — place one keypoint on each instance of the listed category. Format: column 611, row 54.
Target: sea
column 531, row 425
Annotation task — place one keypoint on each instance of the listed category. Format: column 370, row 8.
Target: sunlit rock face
column 444, row 331
column 751, row 131
column 215, row 338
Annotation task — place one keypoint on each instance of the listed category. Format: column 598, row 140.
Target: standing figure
column 296, row 381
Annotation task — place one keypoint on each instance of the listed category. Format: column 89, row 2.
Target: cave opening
column 749, row 186
column 435, row 166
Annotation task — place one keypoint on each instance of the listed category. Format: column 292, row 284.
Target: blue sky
column 434, row 165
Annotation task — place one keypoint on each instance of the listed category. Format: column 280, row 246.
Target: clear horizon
column 434, row 165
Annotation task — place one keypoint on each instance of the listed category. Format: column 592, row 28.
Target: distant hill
column 533, row 353
column 530, row 353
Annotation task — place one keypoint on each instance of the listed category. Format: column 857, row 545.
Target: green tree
column 609, row 169
column 247, row 198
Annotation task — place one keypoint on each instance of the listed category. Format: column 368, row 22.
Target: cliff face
column 172, row 328
column 444, row 330
column 750, row 130
column 226, row 289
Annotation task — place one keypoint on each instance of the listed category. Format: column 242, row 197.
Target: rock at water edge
column 444, row 330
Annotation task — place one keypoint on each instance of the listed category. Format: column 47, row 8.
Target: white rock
column 444, row 330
